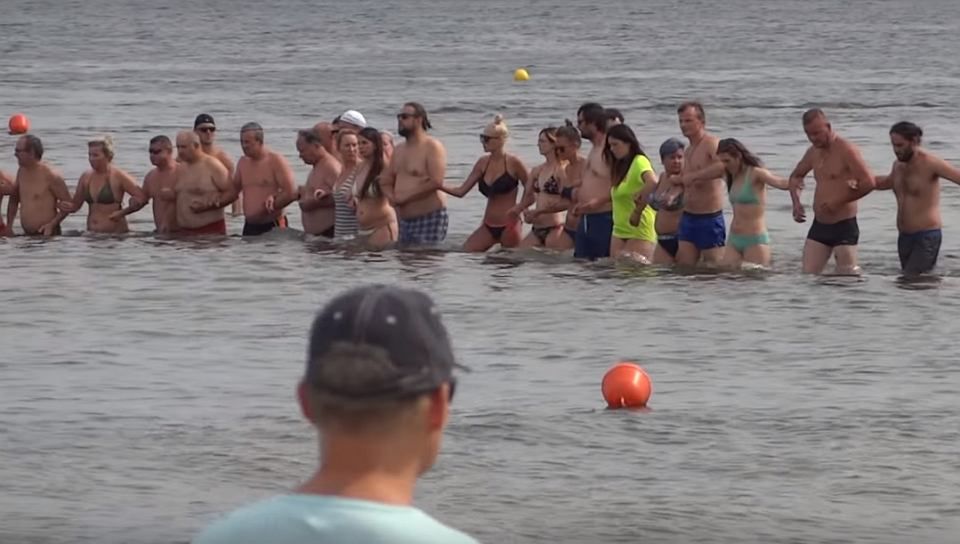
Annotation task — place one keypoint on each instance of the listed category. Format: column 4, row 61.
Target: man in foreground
column 378, row 385
column 915, row 180
column 413, row 181
column 842, row 178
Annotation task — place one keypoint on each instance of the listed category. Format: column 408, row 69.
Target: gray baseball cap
column 379, row 342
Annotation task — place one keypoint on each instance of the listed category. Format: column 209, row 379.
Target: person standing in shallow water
column 592, row 203
column 633, row 180
column 667, row 200
column 378, row 386
column 915, row 181
column 160, row 184
column 413, row 183
column 499, row 176
column 747, row 182
column 544, row 193
column 39, row 192
column 376, row 219
column 843, row 178
column 206, row 130
column 264, row 180
column 102, row 188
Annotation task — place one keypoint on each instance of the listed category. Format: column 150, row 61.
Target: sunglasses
column 207, row 129
column 484, row 138
column 405, row 116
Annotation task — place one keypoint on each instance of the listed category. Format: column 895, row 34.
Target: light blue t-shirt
column 316, row 519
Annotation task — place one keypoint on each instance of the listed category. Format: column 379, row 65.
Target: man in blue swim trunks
column 915, row 180
column 593, row 203
column 378, row 385
column 703, row 232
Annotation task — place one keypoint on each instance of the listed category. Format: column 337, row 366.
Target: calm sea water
column 146, row 386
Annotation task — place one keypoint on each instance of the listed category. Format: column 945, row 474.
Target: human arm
column 528, row 197
column 766, row 177
column 6, row 184
column 885, row 183
column 642, row 197
column 287, row 190
column 58, row 188
column 138, row 197
column 226, row 189
column 436, row 170
column 13, row 205
column 863, row 181
column 472, row 179
column 946, row 170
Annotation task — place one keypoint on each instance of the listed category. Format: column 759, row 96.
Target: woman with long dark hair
column 747, row 181
column 376, row 219
column 633, row 180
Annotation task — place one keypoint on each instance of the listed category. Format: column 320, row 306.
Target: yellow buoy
column 521, row 74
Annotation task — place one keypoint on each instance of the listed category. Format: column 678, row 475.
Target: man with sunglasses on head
column 206, row 129
column 160, row 184
column 413, row 182
column 377, row 387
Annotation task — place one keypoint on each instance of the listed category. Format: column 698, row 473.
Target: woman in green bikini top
column 102, row 188
column 747, row 180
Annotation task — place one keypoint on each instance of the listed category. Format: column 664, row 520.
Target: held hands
column 529, row 216
column 117, row 215
column 799, row 214
column 66, row 206
column 48, row 229
column 853, row 184
column 270, row 203
column 796, row 184
column 514, row 213
column 198, row 206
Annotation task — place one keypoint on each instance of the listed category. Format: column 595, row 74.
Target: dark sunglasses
column 484, row 138
column 207, row 129
column 405, row 116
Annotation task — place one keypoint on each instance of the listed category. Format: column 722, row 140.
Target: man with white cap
column 378, row 384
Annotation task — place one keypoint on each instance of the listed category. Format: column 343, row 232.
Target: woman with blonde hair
column 102, row 188
column 499, row 176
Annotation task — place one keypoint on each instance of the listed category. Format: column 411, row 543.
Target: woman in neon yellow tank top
column 633, row 180
column 747, row 181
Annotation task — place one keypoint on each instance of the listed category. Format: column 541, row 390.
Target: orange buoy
column 18, row 124
column 626, row 385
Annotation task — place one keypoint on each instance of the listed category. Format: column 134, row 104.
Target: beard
column 905, row 156
column 403, row 131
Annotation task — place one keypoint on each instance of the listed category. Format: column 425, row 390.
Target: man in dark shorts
column 843, row 178
column 915, row 181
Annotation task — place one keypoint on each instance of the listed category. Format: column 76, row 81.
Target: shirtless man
column 265, row 181
column 317, row 214
column 160, row 184
column 593, row 196
column 38, row 191
column 206, row 129
column 703, row 232
column 325, row 131
column 6, row 188
column 842, row 178
column 203, row 189
column 915, row 180
column 413, row 181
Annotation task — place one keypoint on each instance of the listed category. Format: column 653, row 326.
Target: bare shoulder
column 434, row 145
column 53, row 173
column 711, row 142
column 215, row 164
column 222, row 155
column 278, row 159
column 515, row 160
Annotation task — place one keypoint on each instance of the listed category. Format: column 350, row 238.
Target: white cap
column 353, row 117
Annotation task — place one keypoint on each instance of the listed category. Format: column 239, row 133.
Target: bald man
column 202, row 183
column 325, row 131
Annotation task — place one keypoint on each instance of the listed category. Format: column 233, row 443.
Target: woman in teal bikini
column 747, row 181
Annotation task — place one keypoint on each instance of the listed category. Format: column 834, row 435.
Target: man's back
column 316, row 519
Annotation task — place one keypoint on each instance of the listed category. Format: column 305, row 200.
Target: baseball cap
column 203, row 119
column 670, row 146
column 379, row 342
column 353, row 117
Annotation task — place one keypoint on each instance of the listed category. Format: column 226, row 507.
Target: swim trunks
column 741, row 242
column 426, row 229
column 217, row 227
column 669, row 243
column 256, row 229
column 841, row 233
column 703, row 230
column 919, row 250
column 593, row 236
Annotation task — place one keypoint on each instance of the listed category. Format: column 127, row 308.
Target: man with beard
column 414, row 180
column 915, row 180
column 593, row 203
column 842, row 178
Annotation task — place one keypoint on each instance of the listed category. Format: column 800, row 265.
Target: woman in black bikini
column 546, row 218
column 567, row 149
column 102, row 188
column 499, row 176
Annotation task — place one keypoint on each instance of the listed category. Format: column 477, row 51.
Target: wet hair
column 697, row 107
column 371, row 185
column 813, row 113
column 614, row 114
column 620, row 167
column 310, row 136
column 908, row 130
column 163, row 141
column 106, row 145
column 569, row 132
column 734, row 148
column 34, row 144
column 497, row 128
column 255, row 128
column 420, row 112
column 550, row 133
column 594, row 114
